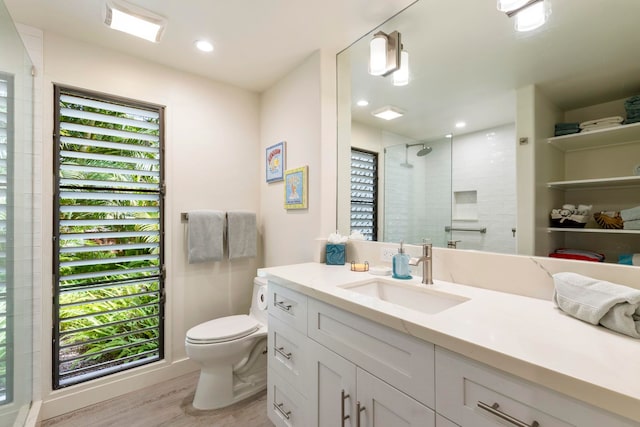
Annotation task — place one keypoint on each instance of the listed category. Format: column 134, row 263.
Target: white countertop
column 524, row 336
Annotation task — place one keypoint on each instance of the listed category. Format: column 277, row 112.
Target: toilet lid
column 223, row 329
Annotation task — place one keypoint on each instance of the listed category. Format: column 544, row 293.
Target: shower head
column 424, row 151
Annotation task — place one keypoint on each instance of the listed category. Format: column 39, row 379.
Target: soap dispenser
column 400, row 263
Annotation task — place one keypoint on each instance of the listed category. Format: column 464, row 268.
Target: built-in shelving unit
column 622, row 181
column 624, row 134
column 592, row 230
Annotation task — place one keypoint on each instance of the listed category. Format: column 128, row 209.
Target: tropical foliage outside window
column 108, row 261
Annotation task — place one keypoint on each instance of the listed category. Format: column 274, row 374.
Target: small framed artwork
column 296, row 188
column 275, row 159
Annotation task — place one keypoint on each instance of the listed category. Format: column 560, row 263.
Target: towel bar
column 482, row 230
column 184, row 216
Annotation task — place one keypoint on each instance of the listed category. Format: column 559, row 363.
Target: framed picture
column 275, row 159
column 296, row 188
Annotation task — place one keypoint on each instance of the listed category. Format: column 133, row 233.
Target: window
column 108, row 235
column 364, row 192
column 6, row 303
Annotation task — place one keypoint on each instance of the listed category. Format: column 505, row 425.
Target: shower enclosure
column 417, row 188
column 17, row 237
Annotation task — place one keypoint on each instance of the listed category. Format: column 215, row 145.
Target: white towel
column 602, row 121
column 242, row 234
column 630, row 214
column 595, row 301
column 205, row 236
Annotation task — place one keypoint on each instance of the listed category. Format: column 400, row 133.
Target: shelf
column 624, row 134
column 622, row 181
column 592, row 230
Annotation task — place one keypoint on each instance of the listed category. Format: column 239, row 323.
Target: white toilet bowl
column 232, row 354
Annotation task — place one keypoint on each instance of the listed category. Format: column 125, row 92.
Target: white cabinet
column 598, row 168
column 347, row 396
column 474, row 395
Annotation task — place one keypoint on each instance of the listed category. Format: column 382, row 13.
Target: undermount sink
column 414, row 297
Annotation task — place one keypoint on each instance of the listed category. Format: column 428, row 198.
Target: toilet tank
column 259, row 299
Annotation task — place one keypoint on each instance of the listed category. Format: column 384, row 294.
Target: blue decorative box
column 336, row 253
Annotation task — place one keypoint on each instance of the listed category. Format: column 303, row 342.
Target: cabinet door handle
column 282, row 352
column 278, row 407
column 359, row 409
column 282, row 306
column 343, row 417
column 493, row 409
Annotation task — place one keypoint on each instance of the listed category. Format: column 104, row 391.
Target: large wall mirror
column 467, row 64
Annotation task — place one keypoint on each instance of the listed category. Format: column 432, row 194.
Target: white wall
column 212, row 152
column 298, row 110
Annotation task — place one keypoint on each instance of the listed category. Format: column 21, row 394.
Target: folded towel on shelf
column 205, row 236
column 603, row 121
column 600, row 126
column 613, row 306
column 577, row 254
column 631, row 225
column 629, row 259
column 631, row 214
column 242, row 234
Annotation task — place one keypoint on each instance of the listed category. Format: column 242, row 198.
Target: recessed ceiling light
column 204, row 46
column 388, row 112
column 362, row 103
column 134, row 20
column 449, row 135
column 460, row 125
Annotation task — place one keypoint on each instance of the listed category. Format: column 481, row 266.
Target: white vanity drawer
column 288, row 353
column 288, row 306
column 475, row 395
column 285, row 406
column 403, row 361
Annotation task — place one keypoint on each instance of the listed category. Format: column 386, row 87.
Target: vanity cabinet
column 475, row 395
column 599, row 168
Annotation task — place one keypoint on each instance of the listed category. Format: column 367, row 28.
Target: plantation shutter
column 6, row 327
column 108, row 236
column 364, row 190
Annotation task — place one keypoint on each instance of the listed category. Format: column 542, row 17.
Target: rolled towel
column 598, row 302
column 631, row 225
column 629, row 259
column 630, row 214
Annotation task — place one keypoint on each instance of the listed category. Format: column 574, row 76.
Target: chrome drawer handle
column 278, row 407
column 359, row 409
column 282, row 352
column 493, row 409
column 343, row 417
column 282, row 306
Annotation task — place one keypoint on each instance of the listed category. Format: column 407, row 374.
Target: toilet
column 232, row 353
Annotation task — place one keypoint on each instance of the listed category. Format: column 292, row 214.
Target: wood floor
column 166, row 405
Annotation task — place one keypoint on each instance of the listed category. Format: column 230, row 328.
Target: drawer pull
column 282, row 352
column 278, row 407
column 343, row 417
column 493, row 409
column 359, row 409
column 282, row 306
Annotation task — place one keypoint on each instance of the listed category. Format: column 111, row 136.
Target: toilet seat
column 223, row 329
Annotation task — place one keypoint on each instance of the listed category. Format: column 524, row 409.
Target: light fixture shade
column 134, row 20
column 533, row 16
column 384, row 53
column 401, row 76
column 509, row 5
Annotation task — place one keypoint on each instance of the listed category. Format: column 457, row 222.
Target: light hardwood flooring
column 167, row 405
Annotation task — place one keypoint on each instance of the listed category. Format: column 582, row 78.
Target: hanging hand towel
column 241, row 234
column 595, row 301
column 204, row 239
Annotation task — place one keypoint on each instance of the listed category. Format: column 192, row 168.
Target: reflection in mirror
column 506, row 85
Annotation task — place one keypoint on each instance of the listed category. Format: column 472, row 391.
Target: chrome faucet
column 426, row 259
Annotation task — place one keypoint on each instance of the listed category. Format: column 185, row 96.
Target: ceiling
column 256, row 41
